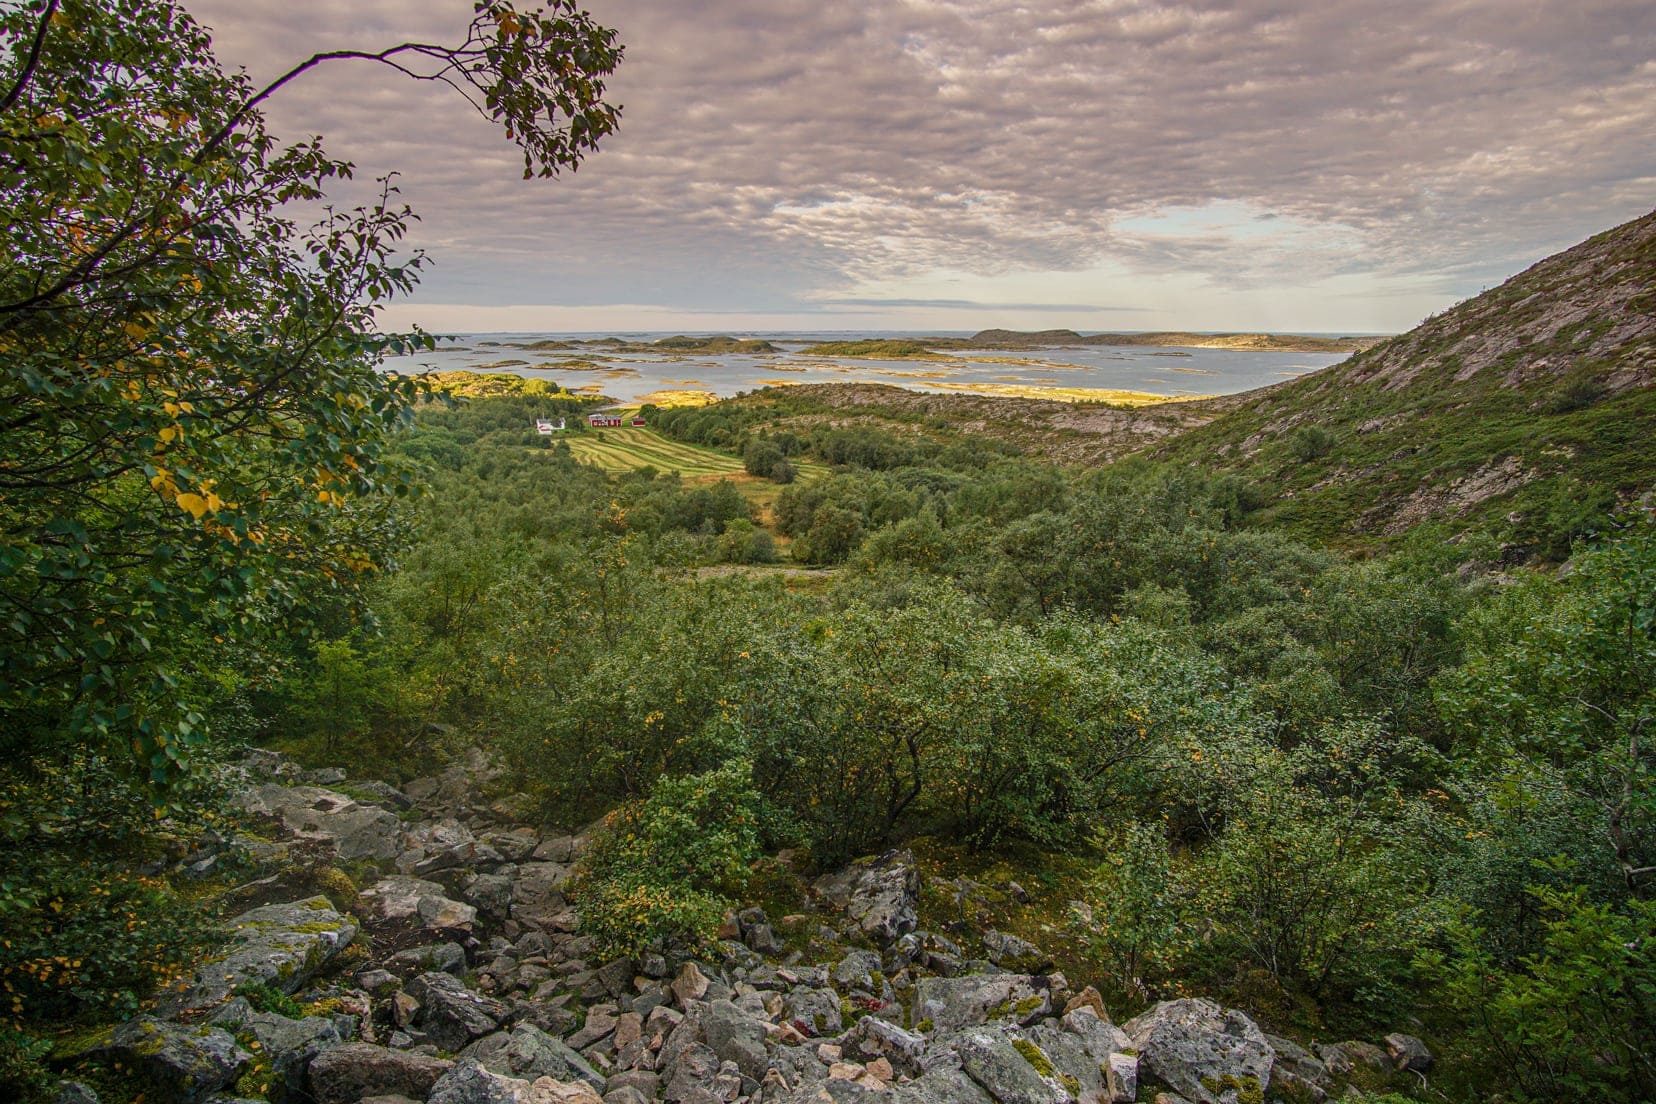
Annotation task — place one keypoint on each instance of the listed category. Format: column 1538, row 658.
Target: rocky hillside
column 457, row 974
column 1520, row 412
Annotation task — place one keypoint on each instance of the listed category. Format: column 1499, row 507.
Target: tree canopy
column 192, row 421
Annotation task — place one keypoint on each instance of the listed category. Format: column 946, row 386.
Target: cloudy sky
column 1295, row 165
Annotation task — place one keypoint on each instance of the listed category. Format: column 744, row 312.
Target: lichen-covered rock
column 183, row 1063
column 281, row 946
column 289, row 1047
column 813, row 1011
column 346, row 1074
column 734, row 1036
column 356, row 831
column 881, row 895
column 948, row 1003
column 530, row 1053
column 1409, row 1053
column 537, row 893
column 1009, row 1072
column 1208, row 1054
column 450, row 1014
column 1012, row 953
column 400, row 900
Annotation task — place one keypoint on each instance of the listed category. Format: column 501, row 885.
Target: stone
column 186, row 1063
column 1208, row 1054
column 1100, row 1037
column 690, row 984
column 734, row 1036
column 762, row 938
column 289, row 1047
column 378, row 982
column 347, row 1073
column 813, row 1011
column 75, row 1092
column 537, row 892
column 950, row 1003
column 1342, row 1058
column 356, row 831
column 450, row 1014
column 599, row 1024
column 691, row 1075
column 1088, row 998
column 399, row 900
column 880, row 895
column 1005, row 1071
column 1121, row 1078
column 1298, row 1073
column 1408, row 1053
column 1012, row 953
column 281, row 946
column 448, row 958
column 856, row 970
column 874, row 1038
column 469, row 1082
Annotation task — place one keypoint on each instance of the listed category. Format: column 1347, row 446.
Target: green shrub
column 662, row 871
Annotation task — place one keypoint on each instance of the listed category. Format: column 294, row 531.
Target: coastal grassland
column 617, row 451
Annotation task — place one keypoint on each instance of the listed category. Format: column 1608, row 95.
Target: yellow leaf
column 193, row 504
column 171, row 433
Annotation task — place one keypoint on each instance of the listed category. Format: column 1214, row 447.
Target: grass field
column 628, row 449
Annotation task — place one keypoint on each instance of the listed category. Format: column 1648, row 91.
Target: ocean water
column 638, row 376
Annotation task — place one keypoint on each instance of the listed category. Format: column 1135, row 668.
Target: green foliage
column 1310, row 442
column 663, row 870
column 1576, row 1017
column 154, row 287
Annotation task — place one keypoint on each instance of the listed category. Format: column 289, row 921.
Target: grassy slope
column 1502, row 415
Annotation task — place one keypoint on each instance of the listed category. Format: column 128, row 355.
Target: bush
column 1310, row 443
column 662, row 871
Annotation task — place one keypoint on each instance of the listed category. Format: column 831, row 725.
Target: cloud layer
column 911, row 157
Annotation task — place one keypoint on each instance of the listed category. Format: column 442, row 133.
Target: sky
column 1313, row 166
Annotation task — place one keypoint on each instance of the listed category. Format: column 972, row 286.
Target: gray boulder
column 356, row 831
column 184, row 1063
column 1009, row 1073
column 813, row 1011
column 1207, row 1054
column 1012, row 953
column 348, row 1073
column 289, row 1047
column 471, row 1083
column 734, row 1036
column 537, row 893
column 1409, row 1053
column 399, row 900
column 277, row 945
column 881, row 894
column 450, row 1014
column 530, row 1053
column 949, row 1003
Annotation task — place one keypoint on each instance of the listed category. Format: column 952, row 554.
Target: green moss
column 1072, row 1084
column 1035, row 1056
column 1028, row 1005
column 924, row 1025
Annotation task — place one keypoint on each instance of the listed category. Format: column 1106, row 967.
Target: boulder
column 281, row 946
column 1012, row 953
column 401, row 901
column 734, row 1036
column 530, row 1053
column 1408, row 1053
column 289, row 1047
column 349, row 1073
column 469, row 1082
column 948, row 1003
column 1298, row 1073
column 184, row 1063
column 813, row 1011
column 880, row 895
column 1208, row 1054
column 1008, row 1072
column 537, row 893
column 450, row 1014
column 356, row 831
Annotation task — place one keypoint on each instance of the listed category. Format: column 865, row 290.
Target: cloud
column 776, row 154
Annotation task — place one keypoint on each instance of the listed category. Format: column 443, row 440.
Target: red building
column 603, row 421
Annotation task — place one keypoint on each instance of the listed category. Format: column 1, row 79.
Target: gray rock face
column 470, row 1083
column 813, row 1011
column 1195, row 1044
column 290, row 1046
column 348, row 1073
column 857, row 970
column 356, row 831
column 186, row 1063
column 990, row 1059
column 880, row 895
column 402, row 900
column 530, row 1053
column 277, row 945
column 951, row 1003
column 450, row 1014
column 1409, row 1053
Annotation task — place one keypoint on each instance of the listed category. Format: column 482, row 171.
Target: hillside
column 1298, row 343
column 1525, row 412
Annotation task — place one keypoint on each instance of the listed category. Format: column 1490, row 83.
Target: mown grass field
column 628, row 449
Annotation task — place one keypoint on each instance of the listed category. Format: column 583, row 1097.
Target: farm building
column 638, row 422
column 601, row 420
column 546, row 427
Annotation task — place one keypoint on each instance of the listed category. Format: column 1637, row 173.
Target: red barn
column 603, row 421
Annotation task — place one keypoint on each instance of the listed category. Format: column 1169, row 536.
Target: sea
column 1056, row 372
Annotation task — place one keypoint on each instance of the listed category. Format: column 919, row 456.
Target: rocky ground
column 458, row 975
